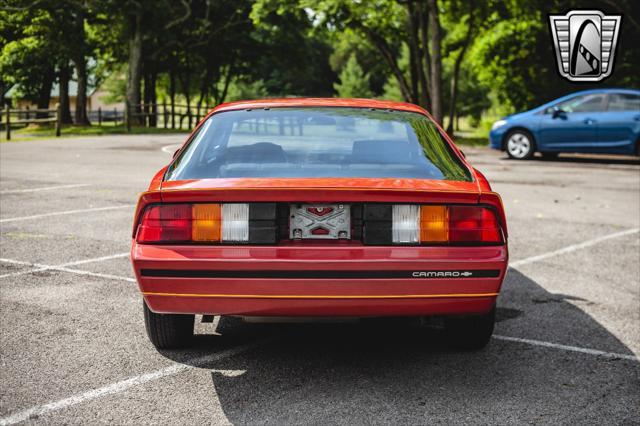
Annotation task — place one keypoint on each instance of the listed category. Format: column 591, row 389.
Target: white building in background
column 96, row 98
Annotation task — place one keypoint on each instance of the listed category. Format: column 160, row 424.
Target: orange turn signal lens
column 434, row 224
column 206, row 222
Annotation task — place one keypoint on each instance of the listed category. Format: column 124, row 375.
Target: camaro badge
column 585, row 43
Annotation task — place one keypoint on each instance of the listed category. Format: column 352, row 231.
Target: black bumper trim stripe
column 321, row 274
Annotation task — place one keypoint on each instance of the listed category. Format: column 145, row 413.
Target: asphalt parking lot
column 73, row 348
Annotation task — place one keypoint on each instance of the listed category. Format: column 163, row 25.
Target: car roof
column 607, row 90
column 579, row 93
column 319, row 102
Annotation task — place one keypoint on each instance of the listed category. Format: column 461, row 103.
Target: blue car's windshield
column 318, row 142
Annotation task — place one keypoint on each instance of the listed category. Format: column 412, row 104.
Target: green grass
column 48, row 132
column 470, row 140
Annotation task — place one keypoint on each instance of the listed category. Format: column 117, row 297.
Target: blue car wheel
column 520, row 144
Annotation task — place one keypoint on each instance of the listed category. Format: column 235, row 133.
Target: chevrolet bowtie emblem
column 585, row 43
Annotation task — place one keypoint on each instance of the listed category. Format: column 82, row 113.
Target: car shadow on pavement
column 392, row 371
column 586, row 159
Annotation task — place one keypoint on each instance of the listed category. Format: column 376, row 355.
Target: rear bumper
column 319, row 280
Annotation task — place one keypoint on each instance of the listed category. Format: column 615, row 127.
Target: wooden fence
column 29, row 116
column 173, row 116
column 161, row 115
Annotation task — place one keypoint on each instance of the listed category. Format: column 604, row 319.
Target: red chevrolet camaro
column 319, row 208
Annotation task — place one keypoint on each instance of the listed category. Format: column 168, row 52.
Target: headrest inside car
column 261, row 152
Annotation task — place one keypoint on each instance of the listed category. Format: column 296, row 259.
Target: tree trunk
column 153, row 119
column 414, row 51
column 172, row 96
column 225, row 88
column 44, row 94
column 436, row 61
column 383, row 47
column 425, row 60
column 456, row 72
column 80, row 62
column 135, row 67
column 185, row 82
column 205, row 84
column 150, row 96
column 65, row 110
column 81, row 117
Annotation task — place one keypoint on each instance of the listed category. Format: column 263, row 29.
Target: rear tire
column 168, row 331
column 519, row 144
column 472, row 332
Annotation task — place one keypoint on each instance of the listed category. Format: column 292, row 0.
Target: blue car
column 604, row 121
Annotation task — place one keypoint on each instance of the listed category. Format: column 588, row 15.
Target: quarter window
column 624, row 102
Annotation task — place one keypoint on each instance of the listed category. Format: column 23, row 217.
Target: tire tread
column 471, row 333
column 168, row 331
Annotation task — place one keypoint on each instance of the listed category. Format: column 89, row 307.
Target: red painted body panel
column 321, row 297
column 406, row 296
column 322, row 307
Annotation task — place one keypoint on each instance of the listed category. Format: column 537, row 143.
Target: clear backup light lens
column 405, row 226
column 235, row 222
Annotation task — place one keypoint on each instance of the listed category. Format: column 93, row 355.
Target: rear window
column 318, row 142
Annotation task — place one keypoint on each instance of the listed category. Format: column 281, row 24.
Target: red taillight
column 171, row 222
column 200, row 223
column 442, row 224
column 473, row 224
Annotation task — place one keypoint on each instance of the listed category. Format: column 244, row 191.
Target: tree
column 435, row 60
column 466, row 28
column 294, row 50
column 387, row 25
column 354, row 83
column 78, row 48
column 47, row 36
column 27, row 55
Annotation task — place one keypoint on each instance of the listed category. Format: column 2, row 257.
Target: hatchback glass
column 318, row 142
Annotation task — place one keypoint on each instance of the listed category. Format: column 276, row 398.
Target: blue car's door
column 619, row 126
column 574, row 126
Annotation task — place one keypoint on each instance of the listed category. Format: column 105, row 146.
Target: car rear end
column 278, row 241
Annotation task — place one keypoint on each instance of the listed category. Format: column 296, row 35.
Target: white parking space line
column 572, row 248
column 95, row 274
column 170, row 149
column 123, row 385
column 567, row 348
column 37, row 267
column 38, row 216
column 96, row 259
column 126, row 384
column 44, row 188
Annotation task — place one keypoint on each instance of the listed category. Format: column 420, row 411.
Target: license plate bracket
column 320, row 221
